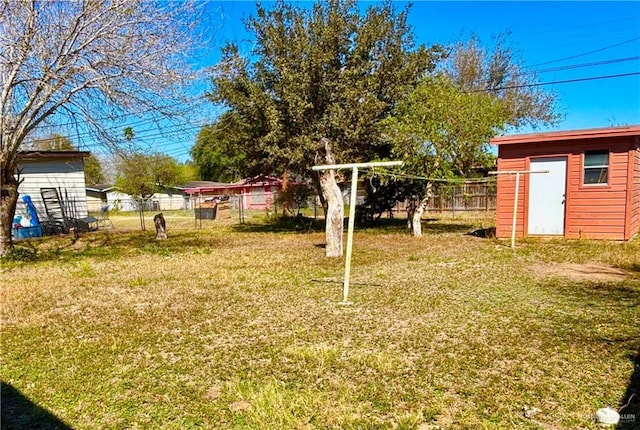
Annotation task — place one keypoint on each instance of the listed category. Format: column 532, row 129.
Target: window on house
column 258, row 195
column 596, row 167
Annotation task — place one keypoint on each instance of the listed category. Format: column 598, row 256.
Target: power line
column 567, row 81
column 587, row 53
column 579, row 66
column 129, row 114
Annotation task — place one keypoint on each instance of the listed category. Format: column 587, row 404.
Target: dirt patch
column 582, row 272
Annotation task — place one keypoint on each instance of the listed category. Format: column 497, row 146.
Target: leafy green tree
column 442, row 128
column 57, row 142
column 141, row 175
column 128, row 133
column 188, row 171
column 218, row 153
column 295, row 196
column 442, row 131
column 325, row 72
column 93, row 170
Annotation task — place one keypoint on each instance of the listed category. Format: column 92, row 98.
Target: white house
column 167, row 199
column 60, row 170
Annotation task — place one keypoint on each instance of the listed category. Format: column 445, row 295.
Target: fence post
column 453, row 201
column 486, row 197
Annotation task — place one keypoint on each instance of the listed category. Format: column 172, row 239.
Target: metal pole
column 352, row 211
column 515, row 196
column 515, row 211
column 352, row 220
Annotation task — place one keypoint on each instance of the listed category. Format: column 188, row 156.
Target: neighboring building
column 98, row 196
column 254, row 193
column 101, row 195
column 592, row 189
column 168, row 198
column 258, row 192
column 171, row 199
column 62, row 170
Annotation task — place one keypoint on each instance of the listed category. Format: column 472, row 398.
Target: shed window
column 596, row 167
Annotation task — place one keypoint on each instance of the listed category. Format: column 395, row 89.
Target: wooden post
column 352, row 220
column 352, row 212
column 515, row 197
column 453, row 202
column 486, row 197
column 515, row 211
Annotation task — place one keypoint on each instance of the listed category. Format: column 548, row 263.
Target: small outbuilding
column 59, row 170
column 591, row 188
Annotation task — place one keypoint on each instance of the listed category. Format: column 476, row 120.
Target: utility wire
column 578, row 66
column 586, row 53
column 567, row 81
column 385, row 172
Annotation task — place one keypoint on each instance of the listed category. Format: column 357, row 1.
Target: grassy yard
column 239, row 327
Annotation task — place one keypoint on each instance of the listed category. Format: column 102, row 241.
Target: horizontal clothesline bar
column 426, row 178
column 513, row 172
column 358, row 165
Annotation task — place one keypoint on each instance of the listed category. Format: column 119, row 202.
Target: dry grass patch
column 583, row 272
column 240, row 327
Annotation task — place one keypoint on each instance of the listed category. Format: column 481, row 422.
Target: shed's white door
column 547, row 192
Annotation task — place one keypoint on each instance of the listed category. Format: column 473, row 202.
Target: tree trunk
column 415, row 211
column 334, row 212
column 284, row 205
column 416, row 225
column 8, row 200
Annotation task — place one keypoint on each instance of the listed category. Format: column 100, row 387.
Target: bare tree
column 85, row 63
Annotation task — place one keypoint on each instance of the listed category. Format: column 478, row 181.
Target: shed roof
column 41, row 155
column 47, row 155
column 591, row 133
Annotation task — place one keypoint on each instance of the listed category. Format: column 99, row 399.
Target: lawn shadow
column 630, row 404
column 445, row 227
column 281, row 225
column 485, row 233
column 20, row 413
column 109, row 245
column 381, row 226
column 611, row 294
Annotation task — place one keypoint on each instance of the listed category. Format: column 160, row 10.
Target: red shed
column 591, row 190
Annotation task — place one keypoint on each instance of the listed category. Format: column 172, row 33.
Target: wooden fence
column 473, row 197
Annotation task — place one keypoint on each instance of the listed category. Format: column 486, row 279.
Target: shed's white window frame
column 603, row 169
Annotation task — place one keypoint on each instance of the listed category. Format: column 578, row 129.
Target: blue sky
column 563, row 41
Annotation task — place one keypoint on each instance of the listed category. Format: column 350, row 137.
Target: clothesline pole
column 352, row 223
column 515, row 211
column 352, row 212
column 515, row 197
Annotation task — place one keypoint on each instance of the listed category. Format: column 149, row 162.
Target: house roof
column 260, row 180
column 591, row 133
column 200, row 184
column 100, row 188
column 218, row 187
column 41, row 155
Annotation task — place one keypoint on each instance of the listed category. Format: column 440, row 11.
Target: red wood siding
column 633, row 220
column 603, row 211
column 506, row 187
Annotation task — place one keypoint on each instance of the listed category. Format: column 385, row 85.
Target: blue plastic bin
column 26, row 232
